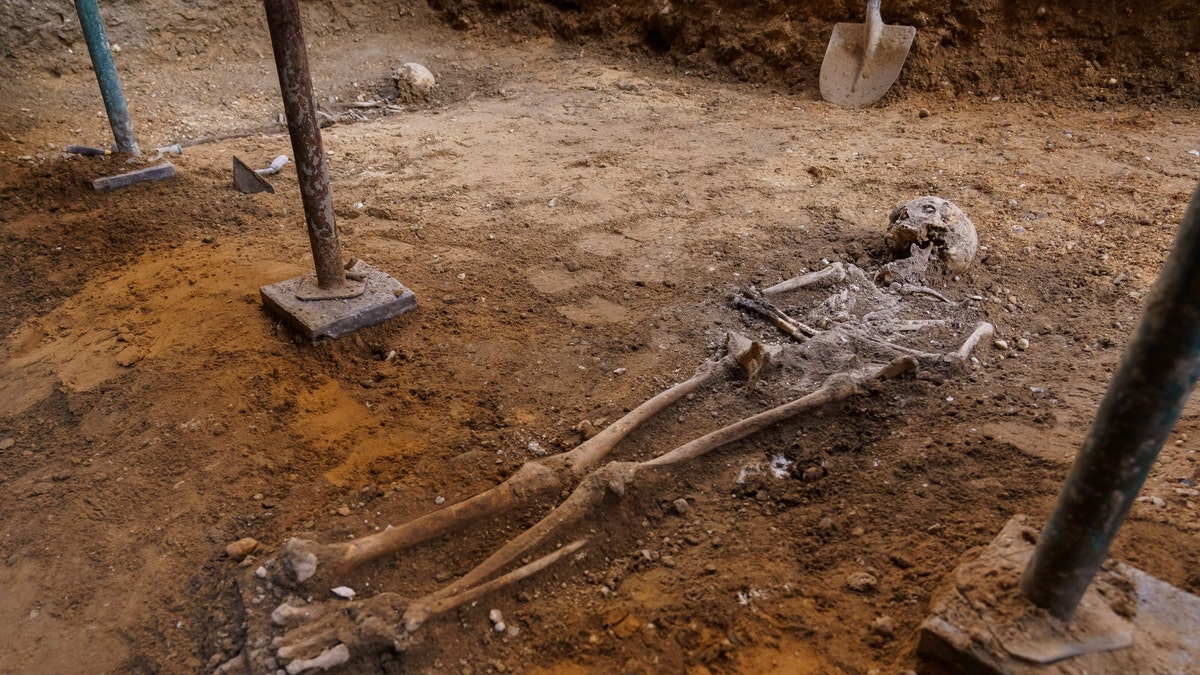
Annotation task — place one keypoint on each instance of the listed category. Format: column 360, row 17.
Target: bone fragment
column 957, row 357
column 437, row 603
column 818, row 279
column 915, row 289
column 755, row 302
column 387, row 617
column 982, row 332
column 837, row 387
column 910, row 325
column 290, row 615
column 330, row 658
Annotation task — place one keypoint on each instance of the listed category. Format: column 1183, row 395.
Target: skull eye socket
column 929, row 209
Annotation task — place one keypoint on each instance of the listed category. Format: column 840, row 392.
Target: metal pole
column 1143, row 402
column 106, row 75
column 295, row 83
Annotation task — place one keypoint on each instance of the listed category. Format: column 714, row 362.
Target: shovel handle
column 873, row 28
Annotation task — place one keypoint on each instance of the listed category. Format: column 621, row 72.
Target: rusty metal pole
column 1144, row 399
column 295, row 83
column 106, row 74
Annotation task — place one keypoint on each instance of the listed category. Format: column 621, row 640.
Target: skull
column 936, row 223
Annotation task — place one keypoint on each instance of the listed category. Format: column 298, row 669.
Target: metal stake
column 1144, row 399
column 106, row 75
column 291, row 60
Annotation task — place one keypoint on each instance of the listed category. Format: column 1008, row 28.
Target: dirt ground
column 572, row 210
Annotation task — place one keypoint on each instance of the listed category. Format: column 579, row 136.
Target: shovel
column 864, row 59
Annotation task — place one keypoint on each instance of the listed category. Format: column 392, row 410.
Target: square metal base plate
column 1128, row 622
column 383, row 299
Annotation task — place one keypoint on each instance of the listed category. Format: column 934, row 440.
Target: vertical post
column 295, row 83
column 1144, row 399
column 106, row 75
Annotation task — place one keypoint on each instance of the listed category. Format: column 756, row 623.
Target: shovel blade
column 850, row 77
column 246, row 180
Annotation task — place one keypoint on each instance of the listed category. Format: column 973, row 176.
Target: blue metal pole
column 1144, row 399
column 106, row 75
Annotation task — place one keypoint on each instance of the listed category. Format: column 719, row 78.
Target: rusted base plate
column 1128, row 622
column 383, row 298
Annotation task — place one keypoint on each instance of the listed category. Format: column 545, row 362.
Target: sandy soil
column 572, row 213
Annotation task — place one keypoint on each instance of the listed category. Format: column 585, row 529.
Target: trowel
column 863, row 60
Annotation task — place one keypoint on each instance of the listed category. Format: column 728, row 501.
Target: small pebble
column 884, row 626
column 261, row 572
column 7, row 443
column 924, row 112
column 1022, row 344
column 861, row 582
column 344, row 592
column 1001, row 345
column 439, row 501
column 495, row 616
column 241, row 548
column 681, row 506
column 343, row 510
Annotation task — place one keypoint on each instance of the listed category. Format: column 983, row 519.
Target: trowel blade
column 246, row 180
column 847, row 80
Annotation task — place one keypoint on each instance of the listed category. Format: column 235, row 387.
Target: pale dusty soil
column 561, row 212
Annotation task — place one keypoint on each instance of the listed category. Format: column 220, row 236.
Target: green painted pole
column 106, row 75
column 1144, row 399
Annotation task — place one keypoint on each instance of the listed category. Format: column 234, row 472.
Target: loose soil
column 572, row 208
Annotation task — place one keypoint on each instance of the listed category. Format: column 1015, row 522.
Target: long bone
column 303, row 558
column 389, row 618
column 615, row 476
